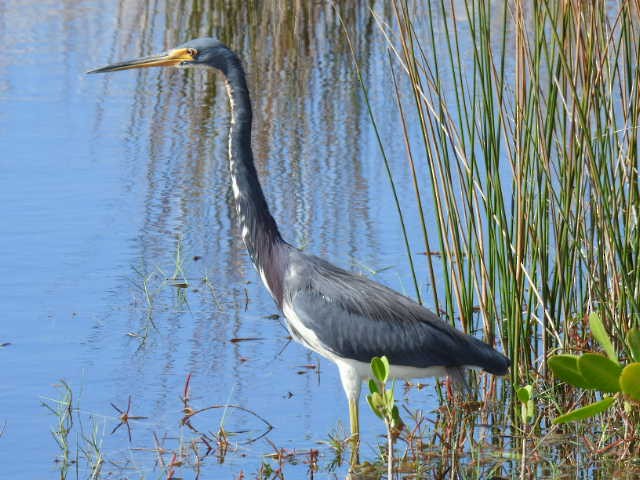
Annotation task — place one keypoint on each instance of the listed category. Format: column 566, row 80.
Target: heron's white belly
column 362, row 370
column 397, row 371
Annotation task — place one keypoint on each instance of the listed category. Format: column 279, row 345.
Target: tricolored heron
column 344, row 317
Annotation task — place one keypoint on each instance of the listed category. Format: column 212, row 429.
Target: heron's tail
column 484, row 356
column 496, row 363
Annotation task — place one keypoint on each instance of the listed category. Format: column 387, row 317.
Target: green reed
column 531, row 162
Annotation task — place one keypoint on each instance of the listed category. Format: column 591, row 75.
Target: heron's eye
column 193, row 52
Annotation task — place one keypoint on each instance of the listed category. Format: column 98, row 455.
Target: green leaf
column 524, row 394
column 600, row 373
column 389, row 399
column 387, row 367
column 396, row 421
column 630, row 380
column 524, row 413
column 600, row 334
column 376, row 401
column 373, row 386
column 585, row 412
column 565, row 367
column 633, row 341
column 380, row 368
column 530, row 409
column 395, row 414
column 373, row 406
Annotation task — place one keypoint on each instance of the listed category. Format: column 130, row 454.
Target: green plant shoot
column 527, row 407
column 382, row 402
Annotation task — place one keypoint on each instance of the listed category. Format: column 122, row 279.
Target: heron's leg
column 351, row 382
column 354, row 423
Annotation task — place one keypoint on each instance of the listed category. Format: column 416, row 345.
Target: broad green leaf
column 524, row 393
column 525, row 396
column 565, row 368
column 600, row 373
column 633, row 341
column 377, row 368
column 380, row 368
column 585, row 412
column 396, row 421
column 526, row 414
column 387, row 367
column 373, row 406
column 530, row 408
column 395, row 414
column 630, row 380
column 376, row 401
column 601, row 335
column 373, row 386
column 389, row 399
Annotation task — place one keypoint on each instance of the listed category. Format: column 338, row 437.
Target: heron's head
column 208, row 52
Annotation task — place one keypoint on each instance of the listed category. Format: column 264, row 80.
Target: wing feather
column 354, row 317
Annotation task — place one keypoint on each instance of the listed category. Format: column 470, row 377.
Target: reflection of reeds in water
column 303, row 128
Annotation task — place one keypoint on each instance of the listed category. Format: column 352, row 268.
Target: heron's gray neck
column 259, row 230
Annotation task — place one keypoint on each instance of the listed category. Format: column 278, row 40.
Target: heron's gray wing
column 354, row 317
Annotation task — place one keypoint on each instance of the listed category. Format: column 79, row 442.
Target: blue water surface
column 110, row 185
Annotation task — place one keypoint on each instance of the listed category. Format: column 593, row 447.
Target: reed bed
column 531, row 165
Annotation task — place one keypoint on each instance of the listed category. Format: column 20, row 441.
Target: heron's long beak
column 167, row 59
